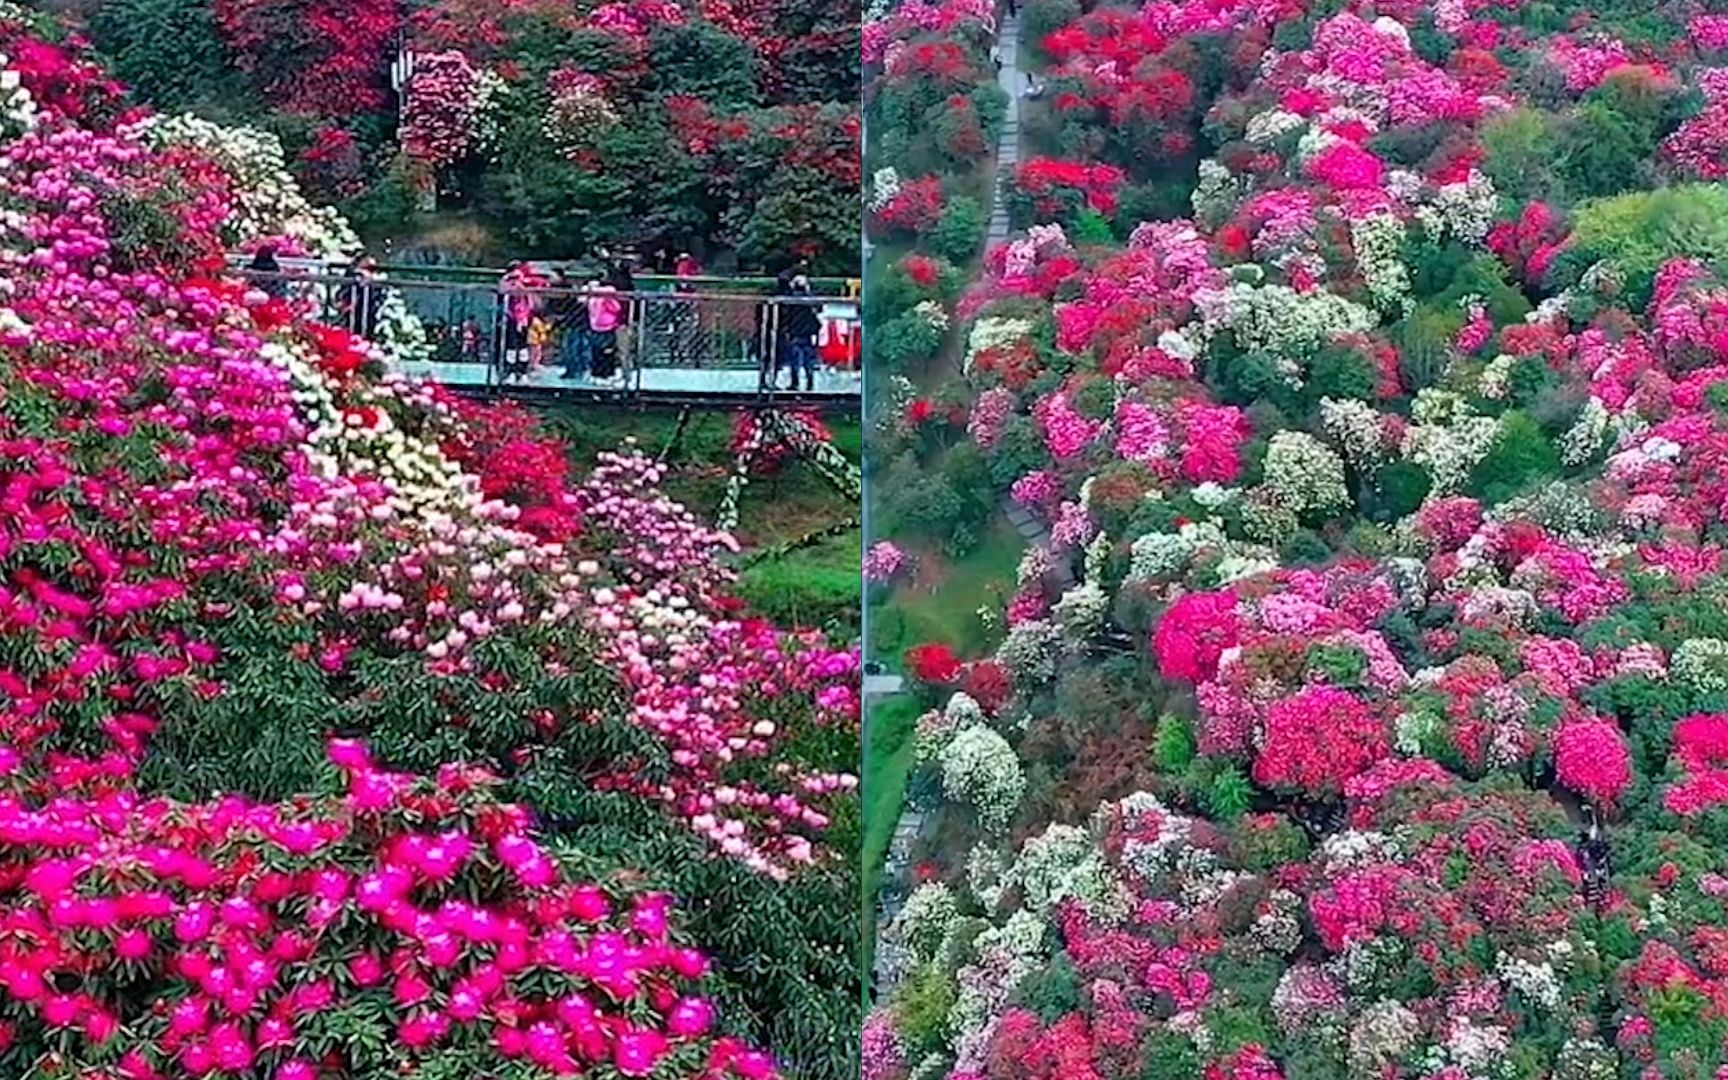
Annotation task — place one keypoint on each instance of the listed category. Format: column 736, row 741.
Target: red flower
column 933, row 663
column 919, row 411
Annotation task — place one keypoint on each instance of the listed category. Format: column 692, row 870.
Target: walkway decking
column 1008, row 146
column 719, row 385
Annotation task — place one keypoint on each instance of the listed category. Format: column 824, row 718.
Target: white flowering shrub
column 1379, row 243
column 1304, row 475
column 980, row 770
column 1279, row 320
column 930, row 912
column 17, row 108
column 1701, row 664
column 269, row 202
column 1030, row 650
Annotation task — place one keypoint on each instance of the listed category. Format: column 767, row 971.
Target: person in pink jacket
column 605, row 314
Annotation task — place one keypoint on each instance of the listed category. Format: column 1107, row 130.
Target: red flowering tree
column 327, row 58
column 1054, row 190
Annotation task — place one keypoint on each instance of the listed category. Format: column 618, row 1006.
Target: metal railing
column 516, row 331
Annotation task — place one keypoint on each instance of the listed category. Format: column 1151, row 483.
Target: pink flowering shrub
column 1193, row 634
column 441, row 109
column 1318, row 739
column 237, row 938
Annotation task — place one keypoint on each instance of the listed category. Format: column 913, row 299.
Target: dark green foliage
column 921, row 1010
column 1339, row 371
column 1176, row 745
column 1395, row 491
column 1041, row 18
column 901, row 342
column 959, row 234
column 167, row 50
column 1522, row 457
column 700, row 60
column 1053, row 991
column 1230, row 795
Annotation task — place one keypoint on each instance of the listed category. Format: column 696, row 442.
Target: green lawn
column 888, row 747
column 946, row 609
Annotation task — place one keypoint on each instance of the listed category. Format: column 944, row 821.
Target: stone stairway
column 1013, row 83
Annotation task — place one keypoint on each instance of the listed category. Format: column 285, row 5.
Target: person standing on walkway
column 605, row 317
column 266, row 272
column 799, row 325
column 571, row 309
column 366, row 297
column 623, row 280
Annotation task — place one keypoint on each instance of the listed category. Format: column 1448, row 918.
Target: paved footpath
column 1008, row 146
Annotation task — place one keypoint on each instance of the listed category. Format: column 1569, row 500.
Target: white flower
column 1379, row 243
column 979, row 770
column 884, row 185
column 1702, row 664
column 1304, row 475
column 929, row 914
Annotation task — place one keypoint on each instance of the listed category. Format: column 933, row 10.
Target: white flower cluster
column 1496, row 377
column 1465, row 210
column 1702, row 664
column 1304, row 475
column 1379, row 243
column 1472, row 1047
column 1448, row 438
column 884, row 185
column 1587, row 435
column 924, row 922
column 986, row 867
column 993, row 332
column 933, row 313
column 12, row 325
column 1586, row 1059
column 269, row 200
column 1278, row 927
column 1050, row 865
column 979, row 770
column 17, row 107
column 1358, row 428
column 1030, row 650
column 1356, row 849
column 1534, row 981
column 399, row 332
column 1081, row 611
column 1149, row 854
column 1385, row 1032
column 1217, row 192
column 1280, row 320
column 1268, row 127
column 1006, row 955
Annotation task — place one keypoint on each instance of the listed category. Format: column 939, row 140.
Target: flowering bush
column 445, row 109
column 1400, row 455
column 276, row 544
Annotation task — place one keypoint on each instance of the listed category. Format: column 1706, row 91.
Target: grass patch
column 815, row 586
column 942, row 605
column 888, row 743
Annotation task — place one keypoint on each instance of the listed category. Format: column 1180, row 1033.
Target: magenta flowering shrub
column 407, row 923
